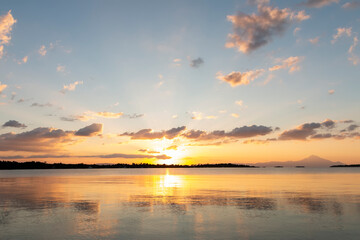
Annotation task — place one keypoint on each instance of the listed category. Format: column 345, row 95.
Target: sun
column 169, row 148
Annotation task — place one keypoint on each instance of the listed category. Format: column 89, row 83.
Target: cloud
column 255, row 141
column 91, row 130
column 109, row 114
column 240, row 102
column 353, row 57
column 42, row 51
column 238, row 78
column 323, row 130
column 6, row 23
column 196, row 62
column 196, row 115
column 86, row 116
column 341, row 32
column 2, row 87
column 352, row 127
column 331, row 92
column 70, row 87
column 36, row 140
column 41, row 105
column 150, row 134
column 301, row 132
column 291, row 63
column 23, row 60
column 105, row 156
column 314, row 40
column 172, row 147
column 319, row 3
column 351, row 5
column 133, row 116
column 148, row 151
column 14, row 123
column 60, row 68
column 328, row 123
column 297, row 29
column 235, row 115
column 251, row 32
column 236, row 133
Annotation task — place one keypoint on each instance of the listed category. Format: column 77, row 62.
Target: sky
column 179, row 82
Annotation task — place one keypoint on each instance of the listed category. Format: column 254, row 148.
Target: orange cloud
column 291, row 63
column 6, row 23
column 238, row 78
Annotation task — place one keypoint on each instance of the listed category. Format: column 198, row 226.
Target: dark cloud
column 91, row 130
column 132, row 116
column 193, row 134
column 255, row 30
column 44, row 139
column 239, row 132
column 106, row 156
column 328, row 123
column 352, row 127
column 38, row 139
column 121, row 155
column 68, row 119
column 14, row 123
column 319, row 3
column 322, row 136
column 150, row 134
column 301, row 132
column 323, row 130
column 148, row 151
column 41, row 105
column 196, row 62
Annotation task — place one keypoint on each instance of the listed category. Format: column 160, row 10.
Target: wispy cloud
column 319, row 3
column 331, row 92
column 6, row 24
column 150, row 134
column 341, row 32
column 314, row 40
column 351, row 5
column 251, row 32
column 291, row 63
column 70, row 87
column 35, row 104
column 60, row 68
column 238, row 78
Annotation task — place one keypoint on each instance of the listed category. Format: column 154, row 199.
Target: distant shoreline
column 13, row 165
column 350, row 165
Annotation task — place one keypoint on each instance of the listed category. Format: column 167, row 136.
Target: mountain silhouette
column 311, row 161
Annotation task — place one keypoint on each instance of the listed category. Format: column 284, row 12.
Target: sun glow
column 171, row 149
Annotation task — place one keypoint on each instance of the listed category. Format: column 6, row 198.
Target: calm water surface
column 180, row 204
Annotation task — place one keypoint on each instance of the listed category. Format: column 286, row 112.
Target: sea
column 202, row 203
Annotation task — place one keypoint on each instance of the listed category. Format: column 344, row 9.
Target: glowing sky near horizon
column 179, row 81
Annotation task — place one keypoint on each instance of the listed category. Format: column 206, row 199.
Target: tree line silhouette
column 44, row 165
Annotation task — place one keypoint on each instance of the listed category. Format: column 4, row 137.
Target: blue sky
column 134, row 59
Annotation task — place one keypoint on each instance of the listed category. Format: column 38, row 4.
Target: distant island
column 344, row 165
column 311, row 161
column 10, row 165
